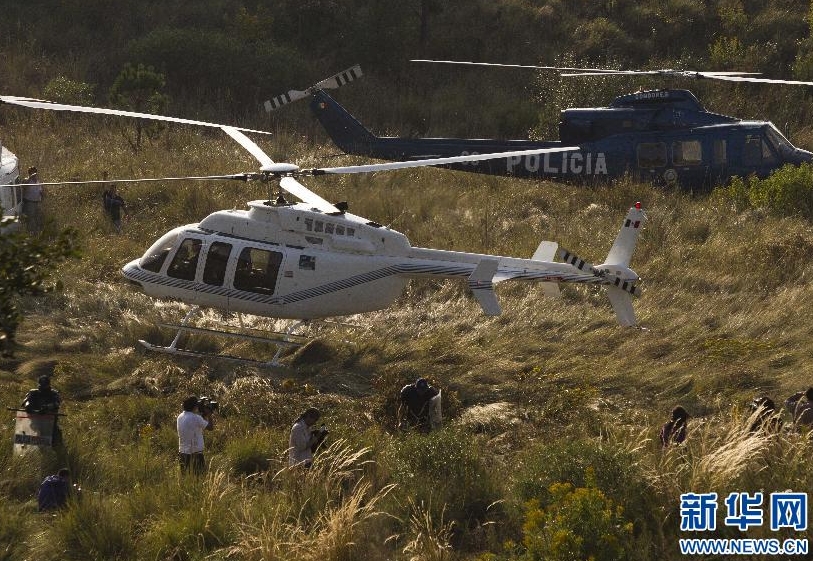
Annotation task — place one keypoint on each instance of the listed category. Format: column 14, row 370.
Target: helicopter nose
column 802, row 156
column 128, row 271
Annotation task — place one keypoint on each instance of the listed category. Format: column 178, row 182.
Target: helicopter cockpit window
column 216, row 261
column 339, row 230
column 155, row 256
column 351, row 231
column 257, row 270
column 687, row 153
column 779, row 141
column 652, row 155
column 185, row 262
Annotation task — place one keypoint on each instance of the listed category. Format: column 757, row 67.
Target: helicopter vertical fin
column 481, row 284
column 617, row 263
column 621, row 251
column 344, row 129
column 547, row 252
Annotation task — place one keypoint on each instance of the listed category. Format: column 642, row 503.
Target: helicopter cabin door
column 719, row 160
column 257, row 270
column 651, row 160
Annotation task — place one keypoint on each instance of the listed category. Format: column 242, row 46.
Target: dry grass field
column 549, row 448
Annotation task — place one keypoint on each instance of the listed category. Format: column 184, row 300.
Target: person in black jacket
column 44, row 400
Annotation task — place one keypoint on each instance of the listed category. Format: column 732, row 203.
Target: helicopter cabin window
column 309, row 224
column 687, row 153
column 257, row 270
column 652, row 155
column 328, row 228
column 185, row 262
column 756, row 152
column 319, row 226
column 720, row 156
column 307, row 262
column 339, row 230
column 216, row 261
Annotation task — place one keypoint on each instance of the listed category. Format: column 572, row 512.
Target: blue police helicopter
column 664, row 136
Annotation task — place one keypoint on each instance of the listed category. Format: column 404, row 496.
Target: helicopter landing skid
column 281, row 340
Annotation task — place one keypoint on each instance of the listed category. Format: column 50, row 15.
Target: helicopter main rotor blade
column 724, row 76
column 758, row 80
column 232, row 177
column 336, row 81
column 437, row 161
column 304, row 194
column 51, row 106
column 729, row 76
column 249, row 145
column 495, row 64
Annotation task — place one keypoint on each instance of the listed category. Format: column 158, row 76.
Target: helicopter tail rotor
column 333, row 82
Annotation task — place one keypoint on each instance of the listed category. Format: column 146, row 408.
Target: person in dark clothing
column 413, row 409
column 113, row 205
column 674, row 430
column 54, row 491
column 764, row 414
column 800, row 406
column 44, row 400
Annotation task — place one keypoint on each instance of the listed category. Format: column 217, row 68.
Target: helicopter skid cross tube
column 285, row 341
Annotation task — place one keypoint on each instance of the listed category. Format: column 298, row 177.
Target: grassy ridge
column 551, row 392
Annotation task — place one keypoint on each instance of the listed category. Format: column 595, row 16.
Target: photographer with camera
column 197, row 415
column 304, row 440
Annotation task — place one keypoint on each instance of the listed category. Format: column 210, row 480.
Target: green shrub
column 786, row 192
column 579, row 523
column 92, row 527
column 446, row 470
column 248, row 456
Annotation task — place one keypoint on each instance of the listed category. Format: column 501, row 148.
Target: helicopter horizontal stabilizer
column 546, row 251
column 481, row 284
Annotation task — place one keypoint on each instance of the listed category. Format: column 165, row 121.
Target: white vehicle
column 11, row 198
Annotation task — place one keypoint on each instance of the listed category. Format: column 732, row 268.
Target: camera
column 207, row 405
column 320, row 434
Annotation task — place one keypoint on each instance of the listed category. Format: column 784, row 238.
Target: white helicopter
column 11, row 199
column 313, row 260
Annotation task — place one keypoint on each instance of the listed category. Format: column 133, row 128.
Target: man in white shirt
column 190, row 435
column 304, row 441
